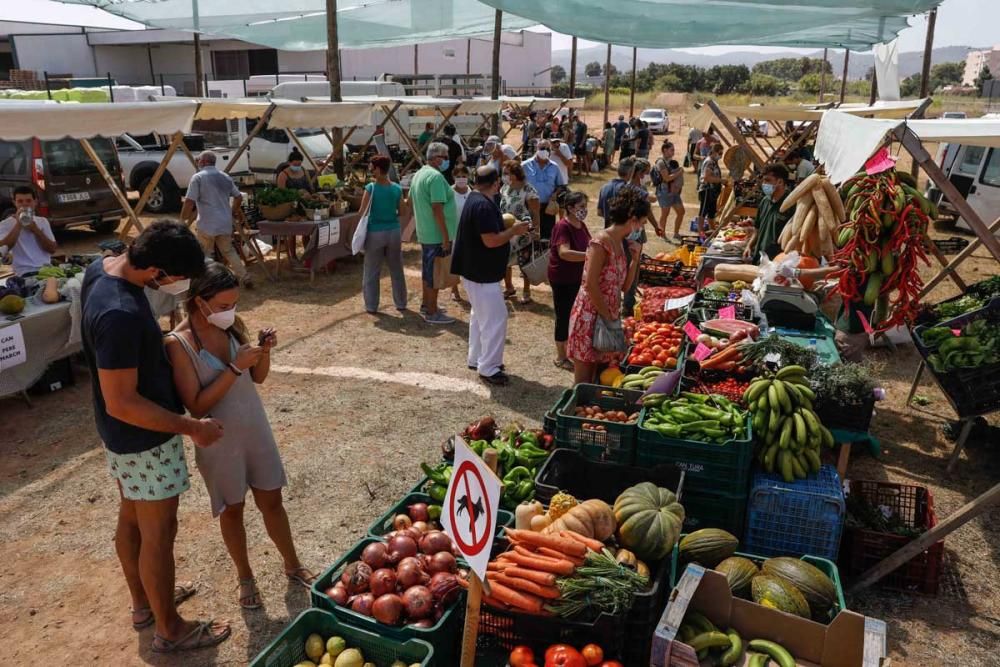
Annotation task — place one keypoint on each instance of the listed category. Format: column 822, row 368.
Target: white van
column 975, row 173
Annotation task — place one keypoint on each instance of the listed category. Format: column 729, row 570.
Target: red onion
column 400, row 547
column 435, row 541
column 356, row 577
column 445, row 588
column 388, row 608
column 338, row 594
column 418, row 512
column 362, row 604
column 375, row 555
column 412, row 532
column 401, row 522
column 409, row 573
column 419, row 602
column 383, row 581
column 421, row 526
column 442, row 561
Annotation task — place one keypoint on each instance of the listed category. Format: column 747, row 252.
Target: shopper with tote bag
column 381, row 236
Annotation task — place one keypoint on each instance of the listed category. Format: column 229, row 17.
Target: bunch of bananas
column 788, row 431
column 642, row 380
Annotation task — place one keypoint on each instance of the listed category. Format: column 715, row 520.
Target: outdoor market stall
column 522, row 107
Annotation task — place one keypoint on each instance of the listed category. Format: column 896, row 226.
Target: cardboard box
column 849, row 640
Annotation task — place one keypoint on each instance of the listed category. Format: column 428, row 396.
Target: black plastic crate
column 570, row 471
column 857, row 418
column 657, row 273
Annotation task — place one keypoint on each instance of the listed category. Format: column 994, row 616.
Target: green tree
column 614, row 70
column 792, row 69
column 765, row 84
column 910, row 86
column 984, row 76
column 593, row 69
column 810, row 83
column 557, row 74
column 947, row 74
column 670, row 83
column 726, row 79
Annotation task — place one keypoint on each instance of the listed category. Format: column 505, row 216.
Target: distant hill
column 858, row 65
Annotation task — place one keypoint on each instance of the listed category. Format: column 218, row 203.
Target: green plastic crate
column 721, row 468
column 616, row 444
column 549, row 420
column 288, row 649
column 383, row 524
column 825, row 566
column 705, row 509
column 444, row 635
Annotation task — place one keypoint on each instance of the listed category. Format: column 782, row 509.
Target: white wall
column 301, row 61
column 130, row 64
column 56, row 54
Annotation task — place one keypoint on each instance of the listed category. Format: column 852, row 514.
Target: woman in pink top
column 567, row 252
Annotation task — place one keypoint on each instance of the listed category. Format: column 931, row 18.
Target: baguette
column 800, row 191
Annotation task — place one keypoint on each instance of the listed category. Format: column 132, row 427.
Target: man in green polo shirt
column 770, row 220
column 436, row 216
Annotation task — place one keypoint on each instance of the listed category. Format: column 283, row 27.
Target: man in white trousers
column 480, row 253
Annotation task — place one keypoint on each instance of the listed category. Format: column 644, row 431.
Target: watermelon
column 727, row 328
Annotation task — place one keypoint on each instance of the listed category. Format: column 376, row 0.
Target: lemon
column 314, row 647
column 335, row 646
column 327, row 659
column 350, row 658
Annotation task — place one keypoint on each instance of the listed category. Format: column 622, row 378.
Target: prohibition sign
column 462, row 485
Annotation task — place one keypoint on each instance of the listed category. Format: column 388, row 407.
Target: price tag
column 727, row 313
column 691, row 330
column 957, row 332
column 674, row 304
column 701, row 352
column 772, row 358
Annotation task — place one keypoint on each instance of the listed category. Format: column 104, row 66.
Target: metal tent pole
column 843, row 81
column 925, row 71
column 631, row 92
column 495, row 72
column 333, row 75
column 572, row 70
column 822, row 77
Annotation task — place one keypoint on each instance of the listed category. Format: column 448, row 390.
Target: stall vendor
column 800, row 164
column 770, row 220
column 28, row 236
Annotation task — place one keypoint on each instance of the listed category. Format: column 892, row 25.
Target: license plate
column 73, row 196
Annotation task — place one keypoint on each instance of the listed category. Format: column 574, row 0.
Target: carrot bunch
column 524, row 578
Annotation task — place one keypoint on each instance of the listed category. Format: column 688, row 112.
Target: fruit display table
column 49, row 332
column 328, row 239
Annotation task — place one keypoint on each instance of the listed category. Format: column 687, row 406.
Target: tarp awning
column 29, row 120
column 540, row 103
column 846, row 141
column 481, row 106
column 407, row 102
column 704, row 117
column 288, row 114
column 300, row 25
column 855, row 24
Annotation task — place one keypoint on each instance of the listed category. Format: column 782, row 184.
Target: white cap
column 509, row 151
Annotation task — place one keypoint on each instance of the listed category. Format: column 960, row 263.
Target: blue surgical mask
column 767, row 189
column 295, row 167
column 444, row 165
column 635, row 236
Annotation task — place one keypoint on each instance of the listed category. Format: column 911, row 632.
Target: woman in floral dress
column 605, row 274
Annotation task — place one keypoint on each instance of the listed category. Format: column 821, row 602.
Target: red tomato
column 563, row 655
column 521, row 656
column 593, row 654
column 657, row 349
column 611, row 663
column 658, row 363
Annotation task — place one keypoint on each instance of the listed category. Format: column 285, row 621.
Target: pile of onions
column 411, row 577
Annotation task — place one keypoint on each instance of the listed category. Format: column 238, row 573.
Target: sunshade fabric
column 855, row 24
column 300, row 25
column 27, row 120
column 540, row 103
column 408, row 103
column 288, row 115
column 846, row 141
column 704, row 117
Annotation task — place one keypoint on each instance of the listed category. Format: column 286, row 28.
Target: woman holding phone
column 215, row 369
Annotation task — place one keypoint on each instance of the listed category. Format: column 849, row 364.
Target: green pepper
column 523, row 489
column 479, row 446
column 683, row 414
column 708, row 412
column 699, row 425
column 528, row 438
column 441, row 474
column 516, row 475
column 434, row 512
column 669, row 430
column 437, row 492
column 697, row 398
column 714, row 432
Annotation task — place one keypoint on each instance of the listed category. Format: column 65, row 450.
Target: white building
column 143, row 57
column 976, row 60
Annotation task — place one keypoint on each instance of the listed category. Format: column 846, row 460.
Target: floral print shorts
column 155, row 474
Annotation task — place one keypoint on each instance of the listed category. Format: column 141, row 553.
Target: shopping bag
column 552, row 208
column 443, row 277
column 408, row 229
column 609, row 335
column 361, row 231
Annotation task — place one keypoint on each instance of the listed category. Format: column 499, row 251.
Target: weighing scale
column 787, row 306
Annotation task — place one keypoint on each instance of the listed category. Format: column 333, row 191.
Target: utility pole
column 495, row 83
column 333, row 76
column 874, row 88
column 843, row 81
column 199, row 69
column 925, row 72
column 822, row 77
column 572, row 70
column 631, row 92
column 607, row 83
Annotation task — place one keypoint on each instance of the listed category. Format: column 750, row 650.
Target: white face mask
column 461, row 182
column 581, row 214
column 222, row 319
column 542, row 154
column 175, row 288
column 506, row 179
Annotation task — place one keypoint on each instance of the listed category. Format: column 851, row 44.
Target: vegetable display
column 706, row 418
column 656, row 344
column 561, row 655
column 642, row 380
column 593, row 519
column 730, row 388
column 727, row 647
column 819, row 212
column 335, row 652
column 707, row 546
column 788, row 432
column 977, row 344
column 274, row 196
column 757, row 353
column 649, row 520
column 881, row 245
column 654, row 301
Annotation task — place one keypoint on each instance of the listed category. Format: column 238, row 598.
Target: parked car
column 954, row 114
column 657, row 119
column 975, row 173
column 140, row 157
column 71, row 192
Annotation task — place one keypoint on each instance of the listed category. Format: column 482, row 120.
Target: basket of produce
column 655, row 302
column 805, row 516
column 845, row 396
column 881, row 518
column 655, row 344
column 666, row 274
column 277, row 204
column 816, row 579
column 321, row 638
column 422, row 512
column 600, row 422
column 708, row 437
column 311, row 203
column 406, row 586
column 978, row 295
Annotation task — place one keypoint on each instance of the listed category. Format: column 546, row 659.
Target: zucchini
column 734, row 651
column 759, row 660
column 774, row 650
column 709, row 640
column 699, row 622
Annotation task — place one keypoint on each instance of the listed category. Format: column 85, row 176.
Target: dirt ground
column 356, row 402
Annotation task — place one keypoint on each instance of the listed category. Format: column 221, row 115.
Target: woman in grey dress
column 215, row 368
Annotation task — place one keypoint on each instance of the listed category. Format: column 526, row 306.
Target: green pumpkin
column 649, row 520
column 778, row 594
column 815, row 586
column 708, row 546
column 739, row 572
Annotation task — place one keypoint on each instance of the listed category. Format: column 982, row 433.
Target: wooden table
column 319, row 251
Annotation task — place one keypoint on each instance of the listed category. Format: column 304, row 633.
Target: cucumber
column 758, row 660
column 709, row 640
column 774, row 650
column 699, row 622
column 734, row 651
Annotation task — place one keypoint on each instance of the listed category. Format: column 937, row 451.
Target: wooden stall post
column 133, row 219
column 953, row 264
column 572, row 70
column 261, row 124
column 175, row 142
column 737, row 135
